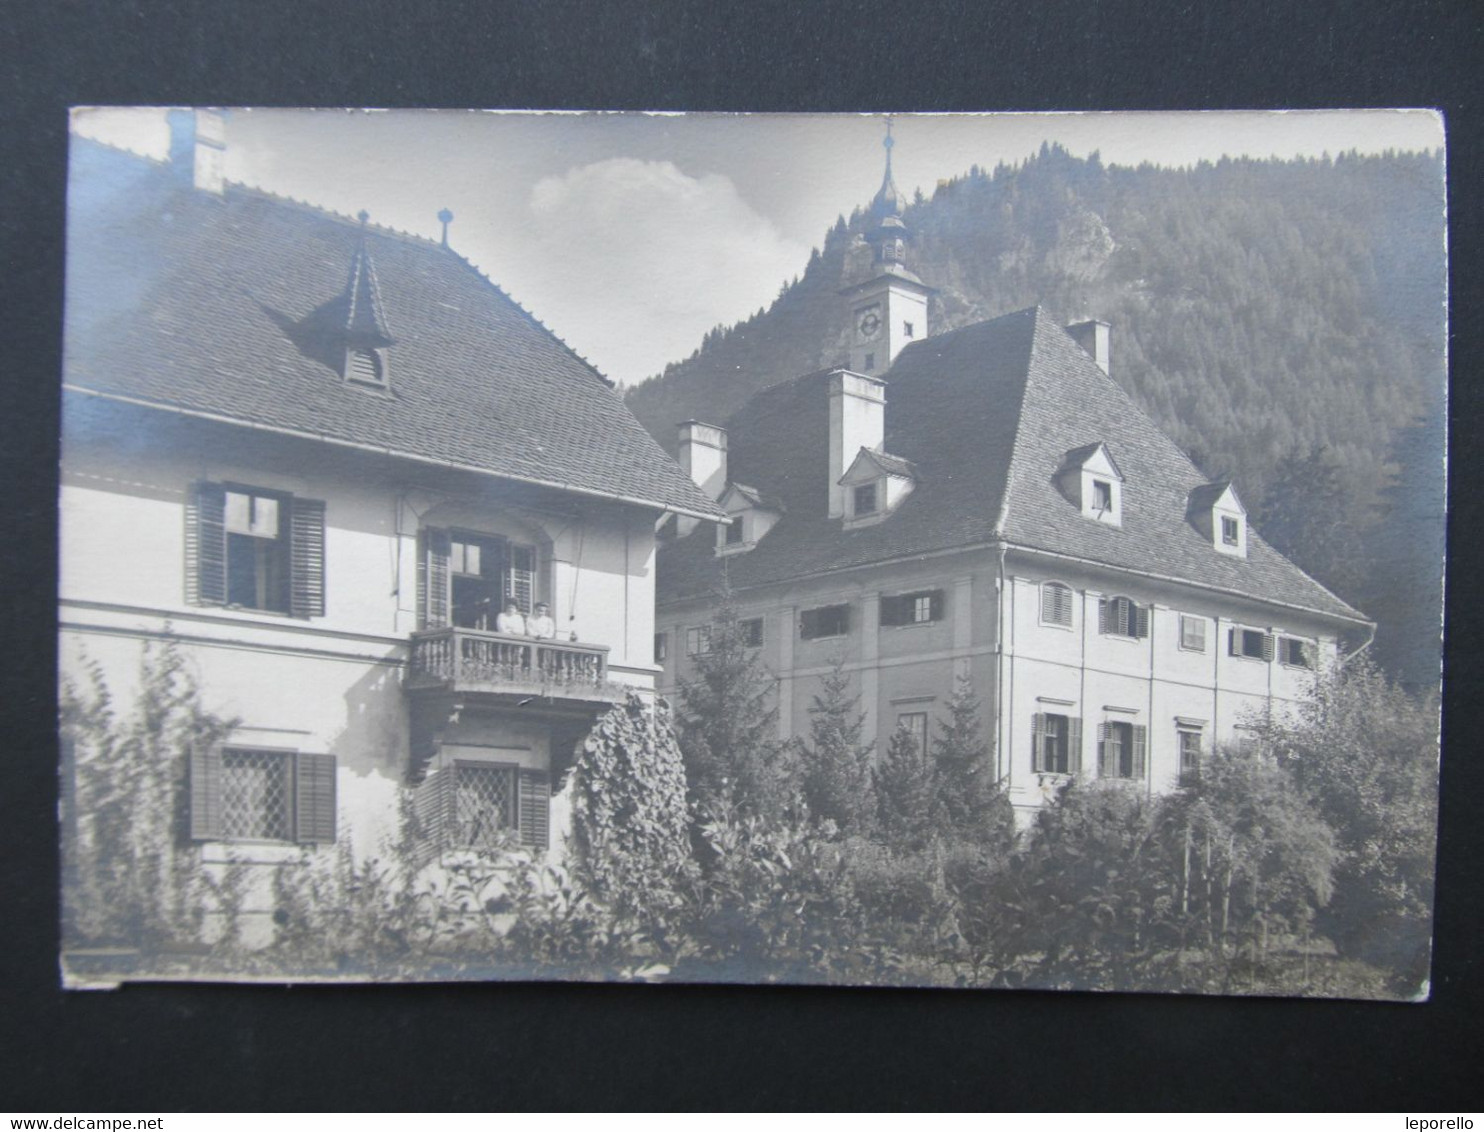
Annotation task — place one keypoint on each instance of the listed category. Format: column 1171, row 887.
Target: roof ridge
column 75, row 138
column 327, row 213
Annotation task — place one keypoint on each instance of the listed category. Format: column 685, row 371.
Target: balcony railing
column 473, row 660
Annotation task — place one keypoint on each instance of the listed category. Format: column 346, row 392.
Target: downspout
column 1005, row 722
column 1370, row 640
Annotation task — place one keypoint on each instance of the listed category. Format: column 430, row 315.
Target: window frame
column 1307, row 649
column 462, row 767
column 1068, row 759
column 732, row 532
column 1049, row 588
column 1127, row 758
column 309, row 807
column 1122, row 618
column 1188, row 770
column 1102, row 495
column 300, row 549
column 750, row 639
column 661, row 647
column 1192, row 619
column 836, row 610
column 1231, row 530
column 871, row 489
column 697, row 640
column 899, row 611
column 917, row 728
column 1266, row 644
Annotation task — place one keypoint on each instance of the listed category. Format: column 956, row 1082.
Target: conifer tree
column 837, row 765
column 906, row 793
column 970, row 800
column 729, row 736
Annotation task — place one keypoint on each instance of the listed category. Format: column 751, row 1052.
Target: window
column 865, row 499
column 1189, row 739
column 907, row 330
column 255, row 549
column 1192, row 633
column 1102, row 495
column 733, row 530
column 661, row 647
column 473, row 803
column 1298, row 654
column 827, row 621
column 915, row 724
column 1122, row 750
column 751, row 631
column 1056, row 744
column 698, row 640
column 870, row 362
column 1253, row 643
column 255, row 794
column 1120, row 617
column 1231, row 531
column 920, row 608
column 465, row 578
column 484, row 803
column 1056, row 604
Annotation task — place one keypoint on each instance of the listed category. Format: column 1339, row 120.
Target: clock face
column 869, row 323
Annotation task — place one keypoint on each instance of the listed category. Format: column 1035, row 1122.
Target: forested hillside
column 1281, row 320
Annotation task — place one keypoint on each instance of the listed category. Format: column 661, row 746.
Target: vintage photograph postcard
column 983, row 551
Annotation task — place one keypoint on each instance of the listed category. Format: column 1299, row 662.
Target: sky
column 631, row 235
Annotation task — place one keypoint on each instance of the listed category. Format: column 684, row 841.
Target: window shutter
column 307, row 557
column 314, row 799
column 1038, row 742
column 206, row 544
column 1103, row 753
column 432, row 579
column 1231, row 643
column 534, row 796
column 935, row 606
column 520, row 577
column 1048, row 603
column 891, row 611
column 1141, row 750
column 1074, row 746
column 432, row 805
column 1105, row 615
column 1141, row 620
column 206, row 793
column 1267, row 646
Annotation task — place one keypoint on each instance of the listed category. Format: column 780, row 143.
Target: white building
column 320, row 456
column 988, row 503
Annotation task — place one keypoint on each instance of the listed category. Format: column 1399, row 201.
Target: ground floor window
column 484, row 803
column 1189, row 739
column 1056, row 743
column 915, row 724
column 254, row 794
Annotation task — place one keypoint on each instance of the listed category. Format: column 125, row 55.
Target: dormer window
column 1090, row 478
column 865, row 499
column 1215, row 511
column 752, row 516
column 875, row 485
column 733, row 535
column 907, row 330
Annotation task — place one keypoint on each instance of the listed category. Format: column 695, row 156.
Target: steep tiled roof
column 229, row 305
column 986, row 415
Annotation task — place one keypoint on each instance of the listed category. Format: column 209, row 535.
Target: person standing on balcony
column 511, row 622
column 540, row 625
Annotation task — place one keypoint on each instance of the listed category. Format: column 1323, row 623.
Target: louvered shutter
column 935, row 605
column 534, row 797
column 892, row 611
column 314, row 799
column 206, row 544
column 1267, row 647
column 1038, row 742
column 307, row 557
column 520, row 577
column 1141, row 620
column 1141, row 750
column 206, row 793
column 432, row 579
column 1048, row 604
column 1074, row 746
column 1232, row 647
column 432, row 805
column 1104, row 753
column 809, row 624
column 1105, row 616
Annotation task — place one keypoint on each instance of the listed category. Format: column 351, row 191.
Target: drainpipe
column 1370, row 640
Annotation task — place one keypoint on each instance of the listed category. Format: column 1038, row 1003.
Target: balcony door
column 467, row 577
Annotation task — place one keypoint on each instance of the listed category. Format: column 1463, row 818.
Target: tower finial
column 445, row 217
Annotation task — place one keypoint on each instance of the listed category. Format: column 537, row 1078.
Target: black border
column 508, row 1047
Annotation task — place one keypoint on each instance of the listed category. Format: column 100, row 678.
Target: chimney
column 857, row 420
column 703, row 456
column 198, row 147
column 1094, row 335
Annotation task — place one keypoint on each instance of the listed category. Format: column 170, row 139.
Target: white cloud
column 635, row 260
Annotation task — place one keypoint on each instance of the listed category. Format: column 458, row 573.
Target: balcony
column 476, row 661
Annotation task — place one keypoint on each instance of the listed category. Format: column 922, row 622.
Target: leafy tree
column 130, row 874
column 837, row 765
column 1366, row 753
column 906, row 793
column 729, row 726
column 629, row 816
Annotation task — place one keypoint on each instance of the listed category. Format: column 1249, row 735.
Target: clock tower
column 889, row 309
